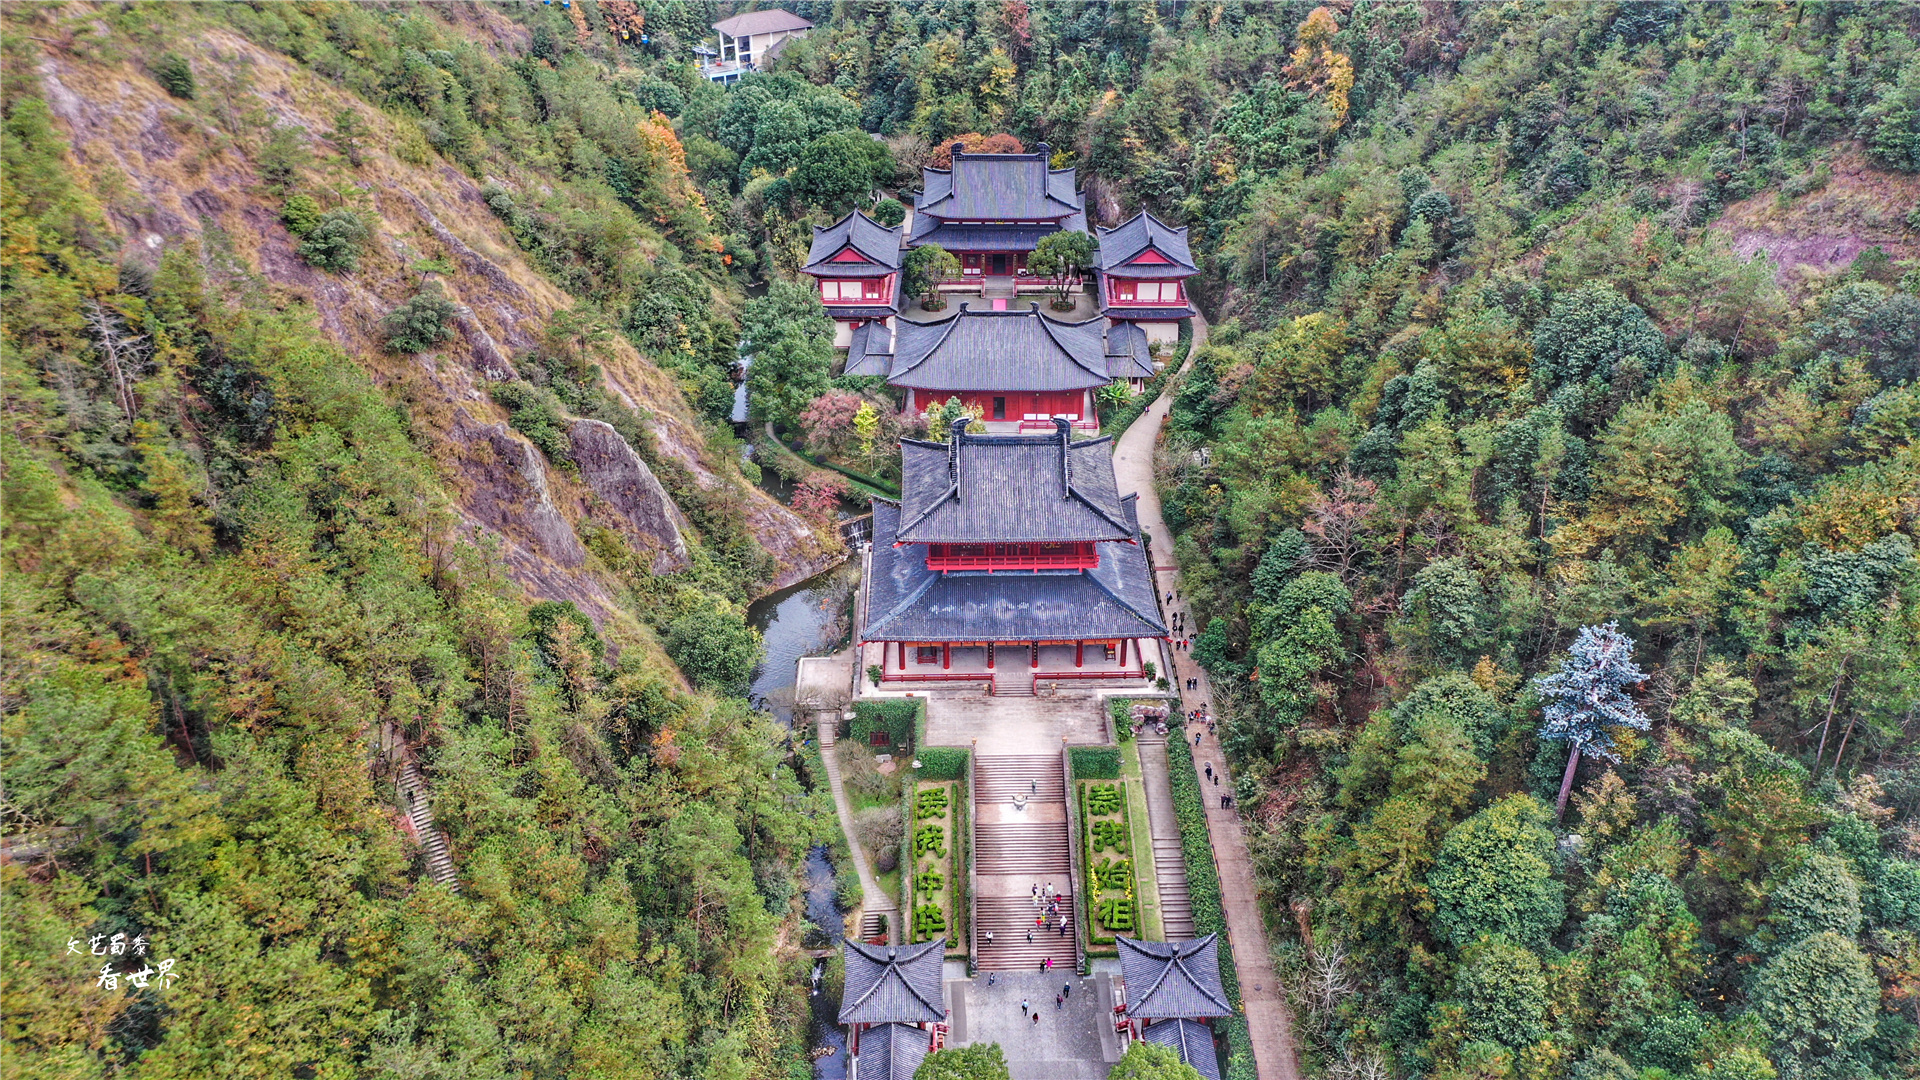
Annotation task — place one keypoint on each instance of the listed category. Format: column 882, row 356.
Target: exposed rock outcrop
column 633, row 496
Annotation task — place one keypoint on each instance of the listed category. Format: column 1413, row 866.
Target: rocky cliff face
column 172, row 175
column 631, row 493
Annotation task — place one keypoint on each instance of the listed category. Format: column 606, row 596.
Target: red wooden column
column 1079, row 654
column 1124, row 642
column 989, row 656
column 1033, row 655
column 946, row 655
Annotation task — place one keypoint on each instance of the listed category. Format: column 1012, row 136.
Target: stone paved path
column 1269, row 1021
column 877, row 902
column 1163, row 825
column 1072, row 1042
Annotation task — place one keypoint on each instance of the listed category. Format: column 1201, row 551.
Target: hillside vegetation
column 356, row 373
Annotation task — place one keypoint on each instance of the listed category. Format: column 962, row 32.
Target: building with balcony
column 1143, row 265
column 1015, row 370
column 749, row 42
column 1013, row 561
column 856, row 262
column 990, row 211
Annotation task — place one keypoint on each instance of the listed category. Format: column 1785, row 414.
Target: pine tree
column 1588, row 695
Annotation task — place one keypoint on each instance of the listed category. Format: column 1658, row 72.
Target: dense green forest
column 1492, row 359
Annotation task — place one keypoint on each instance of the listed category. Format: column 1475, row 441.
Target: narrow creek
column 826, row 1040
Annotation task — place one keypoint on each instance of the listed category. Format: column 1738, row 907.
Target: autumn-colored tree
column 973, row 143
column 1317, row 69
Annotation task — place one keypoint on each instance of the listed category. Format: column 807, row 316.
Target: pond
column 812, row 618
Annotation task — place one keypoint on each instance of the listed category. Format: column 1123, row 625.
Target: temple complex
column 1012, row 560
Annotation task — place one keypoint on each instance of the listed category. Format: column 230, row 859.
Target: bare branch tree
column 125, row 354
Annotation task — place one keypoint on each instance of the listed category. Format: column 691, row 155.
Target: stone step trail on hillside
column 419, row 804
column 1030, row 852
column 1169, row 861
column 876, row 902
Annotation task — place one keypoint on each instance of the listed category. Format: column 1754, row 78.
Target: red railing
column 945, row 676
column 1044, row 676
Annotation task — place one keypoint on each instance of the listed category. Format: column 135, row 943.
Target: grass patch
column 1146, row 885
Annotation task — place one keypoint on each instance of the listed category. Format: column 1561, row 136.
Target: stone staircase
column 419, row 805
column 1016, row 683
column 1169, row 862
column 1011, row 856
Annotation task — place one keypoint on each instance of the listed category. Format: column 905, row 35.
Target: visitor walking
column 989, row 937
column 1214, row 775
column 1196, row 740
column 1058, row 1002
column 1210, row 770
column 1029, row 937
column 1023, row 1006
column 1043, row 967
column 1036, row 1018
column 992, row 977
column 1067, row 990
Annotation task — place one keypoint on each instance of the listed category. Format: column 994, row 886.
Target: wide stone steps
column 419, row 806
column 1021, row 848
column 1013, row 856
column 1013, row 685
column 1037, row 776
column 1009, row 918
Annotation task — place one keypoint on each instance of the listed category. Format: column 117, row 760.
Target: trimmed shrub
column 1095, row 762
column 942, row 763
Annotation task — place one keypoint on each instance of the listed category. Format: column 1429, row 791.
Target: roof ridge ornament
column 1064, row 427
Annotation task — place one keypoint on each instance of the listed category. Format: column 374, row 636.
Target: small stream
column 825, row 920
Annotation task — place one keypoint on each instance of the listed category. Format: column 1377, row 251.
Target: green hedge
column 1203, row 887
column 897, row 717
column 1095, row 762
column 943, row 762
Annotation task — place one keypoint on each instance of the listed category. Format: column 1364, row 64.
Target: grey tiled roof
column 961, row 236
column 908, row 602
column 770, row 21
column 1000, row 350
column 879, row 244
column 892, row 1052
column 1010, row 489
column 1169, row 979
column 1128, row 354
column 1150, row 314
column 998, row 187
column 1126, row 241
column 871, row 350
column 893, row 983
column 1192, row 1040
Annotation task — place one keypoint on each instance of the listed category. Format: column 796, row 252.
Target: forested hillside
column 357, row 369
column 1527, row 318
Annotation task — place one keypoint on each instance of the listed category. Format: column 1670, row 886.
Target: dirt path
column 876, row 901
column 1269, row 1021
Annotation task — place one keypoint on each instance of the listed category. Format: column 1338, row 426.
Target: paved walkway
column 1269, row 1022
column 1074, row 1041
column 1163, row 826
column 877, row 902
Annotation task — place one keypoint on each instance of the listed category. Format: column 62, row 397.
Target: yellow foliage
column 1315, row 66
